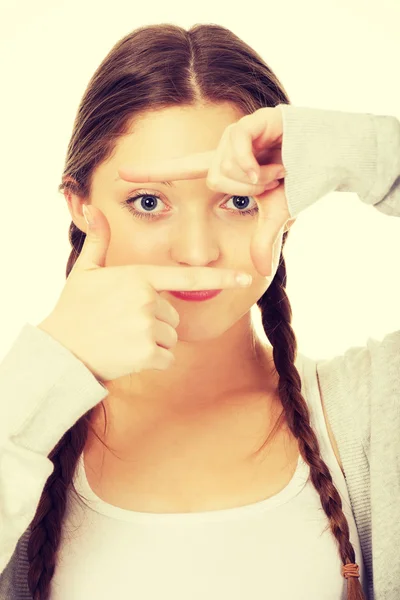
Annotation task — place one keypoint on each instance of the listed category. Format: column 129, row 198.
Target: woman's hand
column 252, row 143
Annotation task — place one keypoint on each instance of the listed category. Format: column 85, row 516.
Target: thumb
column 94, row 249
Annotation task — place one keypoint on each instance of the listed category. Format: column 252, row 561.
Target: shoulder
column 360, row 387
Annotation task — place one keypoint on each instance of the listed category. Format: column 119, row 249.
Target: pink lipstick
column 199, row 296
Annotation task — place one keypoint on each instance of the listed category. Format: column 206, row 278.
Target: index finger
column 193, row 166
column 176, row 278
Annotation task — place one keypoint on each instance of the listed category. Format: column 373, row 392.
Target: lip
column 196, row 296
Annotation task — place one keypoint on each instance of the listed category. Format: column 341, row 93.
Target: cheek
column 128, row 248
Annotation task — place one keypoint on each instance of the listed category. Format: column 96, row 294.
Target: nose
column 194, row 242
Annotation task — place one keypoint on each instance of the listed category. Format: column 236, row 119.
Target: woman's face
column 191, row 225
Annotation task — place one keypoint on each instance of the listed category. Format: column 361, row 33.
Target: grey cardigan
column 47, row 388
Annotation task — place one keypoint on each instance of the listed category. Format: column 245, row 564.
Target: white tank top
column 275, row 548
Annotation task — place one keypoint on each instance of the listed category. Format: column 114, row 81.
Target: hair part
column 152, row 68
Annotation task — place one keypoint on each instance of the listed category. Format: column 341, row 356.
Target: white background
column 342, row 256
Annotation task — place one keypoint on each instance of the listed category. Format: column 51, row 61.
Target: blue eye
column 243, row 199
column 148, row 203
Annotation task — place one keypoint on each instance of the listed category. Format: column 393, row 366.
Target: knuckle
column 153, row 352
column 146, row 322
column 148, row 298
column 150, row 307
column 174, row 336
column 212, row 182
column 148, row 350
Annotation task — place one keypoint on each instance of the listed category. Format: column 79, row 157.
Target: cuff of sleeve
column 325, row 151
column 388, row 163
column 44, row 390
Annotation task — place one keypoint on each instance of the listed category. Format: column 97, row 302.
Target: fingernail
column 244, row 279
column 87, row 214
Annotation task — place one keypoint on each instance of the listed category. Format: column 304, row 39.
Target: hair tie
column 350, row 570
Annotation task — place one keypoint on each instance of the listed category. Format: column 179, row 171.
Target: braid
column 276, row 316
column 46, row 524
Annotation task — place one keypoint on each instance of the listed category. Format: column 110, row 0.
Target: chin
column 199, row 332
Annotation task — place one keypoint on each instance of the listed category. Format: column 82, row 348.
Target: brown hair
column 155, row 67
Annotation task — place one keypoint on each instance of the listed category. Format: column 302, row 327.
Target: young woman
column 205, row 462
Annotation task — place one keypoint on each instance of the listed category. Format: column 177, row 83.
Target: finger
column 234, row 187
column 265, row 125
column 242, row 149
column 267, row 174
column 271, row 219
column 193, row 166
column 238, row 188
column 243, row 161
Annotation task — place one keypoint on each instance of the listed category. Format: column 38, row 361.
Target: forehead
column 173, row 132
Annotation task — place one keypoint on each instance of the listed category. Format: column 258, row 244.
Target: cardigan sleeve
column 44, row 390
column 325, row 151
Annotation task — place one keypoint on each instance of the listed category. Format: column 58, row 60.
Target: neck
column 206, row 373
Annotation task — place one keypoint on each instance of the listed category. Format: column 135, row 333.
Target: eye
column 243, row 200
column 147, row 204
column 149, row 201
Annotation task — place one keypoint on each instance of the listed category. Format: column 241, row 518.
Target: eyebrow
column 167, row 183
